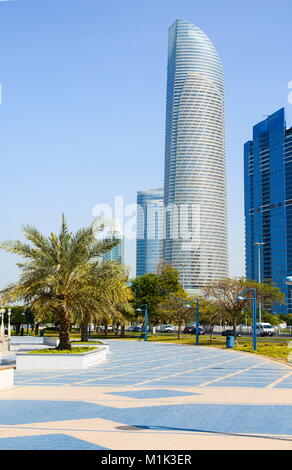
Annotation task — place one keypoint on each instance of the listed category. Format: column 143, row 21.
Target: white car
column 166, row 329
column 265, row 329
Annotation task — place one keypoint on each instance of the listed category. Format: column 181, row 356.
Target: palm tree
column 103, row 288
column 55, row 271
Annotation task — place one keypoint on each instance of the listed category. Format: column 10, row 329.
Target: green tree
column 211, row 314
column 226, row 292
column 152, row 289
column 52, row 271
column 173, row 310
column 104, row 289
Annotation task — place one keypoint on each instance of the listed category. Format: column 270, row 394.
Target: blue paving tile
column 213, row 418
column 47, row 442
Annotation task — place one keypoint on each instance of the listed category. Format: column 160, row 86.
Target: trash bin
column 229, row 341
column 42, row 332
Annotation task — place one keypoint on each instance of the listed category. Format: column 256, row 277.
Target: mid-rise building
column 150, row 216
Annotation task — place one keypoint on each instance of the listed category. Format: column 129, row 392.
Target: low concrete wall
column 6, row 377
column 47, row 340
column 27, row 339
column 26, row 361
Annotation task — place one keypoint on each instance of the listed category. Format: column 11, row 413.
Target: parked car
column 166, row 329
column 138, row 329
column 194, row 331
column 191, row 330
column 188, row 330
column 265, row 329
column 230, row 333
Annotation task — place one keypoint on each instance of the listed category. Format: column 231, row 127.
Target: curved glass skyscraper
column 195, row 181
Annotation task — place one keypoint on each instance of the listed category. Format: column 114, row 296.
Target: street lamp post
column 9, row 328
column 259, row 245
column 2, row 329
column 254, row 314
column 139, row 309
column 197, row 320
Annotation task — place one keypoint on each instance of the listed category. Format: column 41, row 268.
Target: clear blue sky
column 83, row 111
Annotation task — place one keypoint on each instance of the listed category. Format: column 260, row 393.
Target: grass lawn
column 276, row 350
column 76, row 342
column 65, row 351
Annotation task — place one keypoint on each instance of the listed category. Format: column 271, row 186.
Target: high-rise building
column 268, row 204
column 149, row 230
column 195, row 180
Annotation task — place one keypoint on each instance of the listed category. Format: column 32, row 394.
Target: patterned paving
column 152, row 396
column 46, row 442
column 139, row 364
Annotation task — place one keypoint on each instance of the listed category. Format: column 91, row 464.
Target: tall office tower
column 268, row 204
column 195, row 181
column 149, row 230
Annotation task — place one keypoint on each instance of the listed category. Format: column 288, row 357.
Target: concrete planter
column 26, row 361
column 6, row 377
column 51, row 341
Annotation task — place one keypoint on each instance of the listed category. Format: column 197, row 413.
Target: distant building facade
column 111, row 230
column 116, row 253
column 268, row 204
column 150, row 218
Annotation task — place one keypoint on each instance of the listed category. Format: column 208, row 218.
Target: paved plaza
column 152, row 396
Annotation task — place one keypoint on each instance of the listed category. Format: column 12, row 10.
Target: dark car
column 230, row 333
column 138, row 329
column 188, row 330
column 191, row 330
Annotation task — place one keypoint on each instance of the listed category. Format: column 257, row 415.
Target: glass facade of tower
column 268, row 203
column 116, row 253
column 149, row 230
column 195, row 174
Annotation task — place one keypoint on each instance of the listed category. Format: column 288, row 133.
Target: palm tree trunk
column 122, row 331
column 84, row 331
column 211, row 332
column 64, row 334
column 178, row 332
